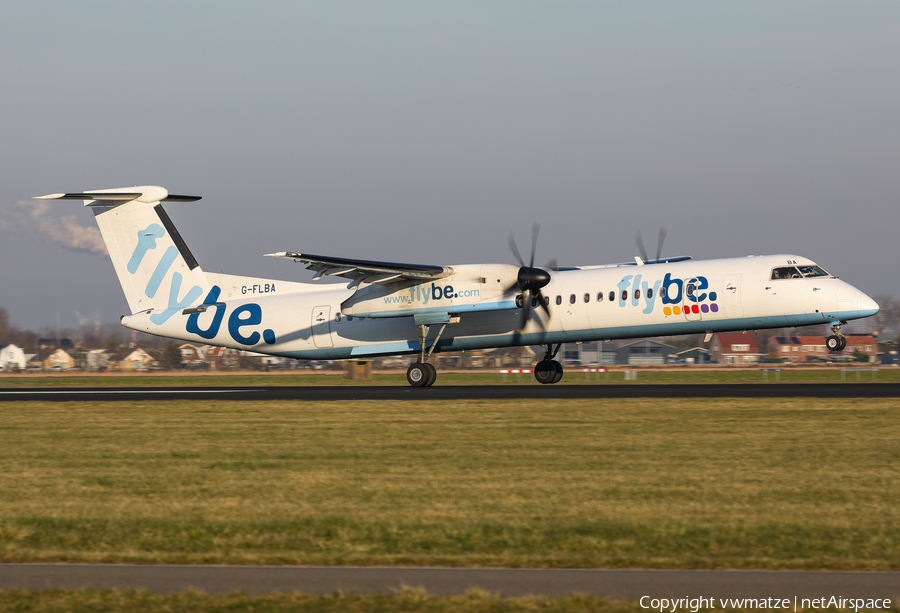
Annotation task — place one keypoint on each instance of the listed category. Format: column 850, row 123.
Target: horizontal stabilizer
column 100, row 198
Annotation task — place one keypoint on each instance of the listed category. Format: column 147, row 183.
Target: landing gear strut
column 837, row 341
column 421, row 373
column 549, row 370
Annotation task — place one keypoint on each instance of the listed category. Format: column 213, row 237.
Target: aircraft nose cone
column 865, row 305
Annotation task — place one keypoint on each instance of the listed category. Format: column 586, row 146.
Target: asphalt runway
column 629, row 584
column 469, row 392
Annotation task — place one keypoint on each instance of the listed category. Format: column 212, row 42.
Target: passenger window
column 625, row 294
column 572, row 299
column 337, row 317
column 600, row 297
column 637, row 294
column 689, row 289
column 559, row 300
column 587, row 297
column 546, row 300
column 649, row 292
column 612, row 296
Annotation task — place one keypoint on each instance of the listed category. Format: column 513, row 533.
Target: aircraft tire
column 417, row 374
column 559, row 371
column 843, row 343
column 432, row 374
column 544, row 372
column 835, row 343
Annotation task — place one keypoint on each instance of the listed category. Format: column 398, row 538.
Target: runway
column 469, row 392
column 629, row 584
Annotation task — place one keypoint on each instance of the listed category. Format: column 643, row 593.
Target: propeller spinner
column 530, row 280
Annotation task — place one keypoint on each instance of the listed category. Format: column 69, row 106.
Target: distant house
column 12, row 358
column 222, row 358
column 136, row 360
column 694, row 355
column 59, row 360
column 192, row 356
column 645, row 351
column 735, row 348
column 97, row 359
column 798, row 349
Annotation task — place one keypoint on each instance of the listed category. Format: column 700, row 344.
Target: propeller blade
column 640, row 245
column 534, row 234
column 525, row 311
column 553, row 265
column 512, row 245
column 659, row 244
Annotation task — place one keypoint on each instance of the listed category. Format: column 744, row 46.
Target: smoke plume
column 36, row 219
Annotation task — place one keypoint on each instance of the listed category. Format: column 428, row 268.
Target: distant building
column 136, row 360
column 192, row 356
column 694, row 355
column 798, row 349
column 12, row 358
column 97, row 359
column 646, row 351
column 735, row 348
column 222, row 358
column 59, row 360
column 591, row 352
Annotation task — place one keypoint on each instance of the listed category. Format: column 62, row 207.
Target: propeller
column 530, row 280
column 659, row 246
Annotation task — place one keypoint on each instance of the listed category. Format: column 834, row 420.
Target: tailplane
column 155, row 267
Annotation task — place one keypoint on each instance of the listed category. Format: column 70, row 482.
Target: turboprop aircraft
column 390, row 308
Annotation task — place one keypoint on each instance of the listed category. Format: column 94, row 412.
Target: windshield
column 798, row 272
column 813, row 271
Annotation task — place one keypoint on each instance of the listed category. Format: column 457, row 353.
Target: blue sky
column 426, row 132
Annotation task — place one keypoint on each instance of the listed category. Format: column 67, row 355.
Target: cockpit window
column 785, row 272
column 813, row 271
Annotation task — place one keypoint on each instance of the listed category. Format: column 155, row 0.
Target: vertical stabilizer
column 155, row 267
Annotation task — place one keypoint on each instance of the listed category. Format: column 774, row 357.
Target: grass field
column 724, row 483
column 407, row 601
column 573, row 376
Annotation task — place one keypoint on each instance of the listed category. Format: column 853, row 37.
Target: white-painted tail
column 155, row 267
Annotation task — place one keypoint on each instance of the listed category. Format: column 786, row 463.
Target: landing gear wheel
column 432, row 374
column 557, row 367
column 544, row 372
column 835, row 343
column 418, row 374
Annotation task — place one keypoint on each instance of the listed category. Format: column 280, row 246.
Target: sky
column 426, row 132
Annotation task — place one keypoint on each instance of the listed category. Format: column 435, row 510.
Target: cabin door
column 321, row 327
column 689, row 306
column 731, row 296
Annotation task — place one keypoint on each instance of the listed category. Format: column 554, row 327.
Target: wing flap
column 363, row 271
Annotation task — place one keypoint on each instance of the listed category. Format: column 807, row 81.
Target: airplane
column 391, row 308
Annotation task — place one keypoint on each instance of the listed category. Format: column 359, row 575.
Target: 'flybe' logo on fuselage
column 685, row 296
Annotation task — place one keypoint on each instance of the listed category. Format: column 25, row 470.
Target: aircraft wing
column 368, row 271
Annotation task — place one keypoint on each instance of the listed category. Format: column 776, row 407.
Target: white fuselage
column 309, row 321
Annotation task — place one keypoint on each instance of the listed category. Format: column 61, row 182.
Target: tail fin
column 155, row 267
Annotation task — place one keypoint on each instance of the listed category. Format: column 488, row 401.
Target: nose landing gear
column 837, row 341
column 549, row 370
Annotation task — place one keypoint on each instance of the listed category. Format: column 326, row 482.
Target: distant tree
column 4, row 327
column 170, row 356
column 887, row 320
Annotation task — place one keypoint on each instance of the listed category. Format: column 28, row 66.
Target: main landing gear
column 421, row 373
column 837, row 341
column 549, row 370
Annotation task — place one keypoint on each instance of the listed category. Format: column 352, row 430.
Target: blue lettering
column 650, row 296
column 235, row 323
column 623, row 286
column 636, row 285
column 161, row 269
column 193, row 325
column 174, row 304
column 700, row 283
column 667, row 282
column 448, row 292
column 436, row 292
column 146, row 241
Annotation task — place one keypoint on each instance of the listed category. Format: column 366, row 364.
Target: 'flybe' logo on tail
column 147, row 242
